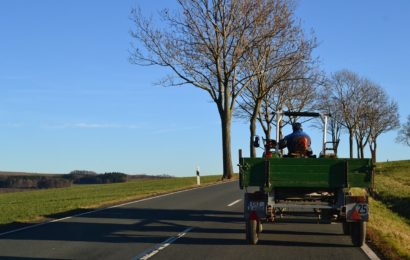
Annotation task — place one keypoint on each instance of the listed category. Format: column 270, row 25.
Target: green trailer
column 317, row 185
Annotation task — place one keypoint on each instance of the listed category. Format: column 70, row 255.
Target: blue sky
column 69, row 98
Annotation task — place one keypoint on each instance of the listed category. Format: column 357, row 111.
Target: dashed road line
column 233, row 203
column 153, row 251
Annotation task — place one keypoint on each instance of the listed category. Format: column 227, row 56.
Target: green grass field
column 38, row 205
column 389, row 224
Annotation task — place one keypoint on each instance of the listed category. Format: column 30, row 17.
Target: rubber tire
column 325, row 217
column 346, row 228
column 358, row 233
column 260, row 227
column 252, row 232
column 247, row 230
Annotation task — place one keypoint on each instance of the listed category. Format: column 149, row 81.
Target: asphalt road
column 195, row 224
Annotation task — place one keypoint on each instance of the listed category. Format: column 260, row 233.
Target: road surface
column 204, row 223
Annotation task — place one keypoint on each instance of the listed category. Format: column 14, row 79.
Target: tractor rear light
column 253, row 216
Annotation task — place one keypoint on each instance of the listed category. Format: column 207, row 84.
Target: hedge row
column 33, row 182
column 87, row 177
column 45, row 182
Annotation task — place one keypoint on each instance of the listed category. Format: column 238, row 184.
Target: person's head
column 296, row 126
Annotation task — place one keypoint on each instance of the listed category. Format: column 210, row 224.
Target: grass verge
column 389, row 224
column 38, row 205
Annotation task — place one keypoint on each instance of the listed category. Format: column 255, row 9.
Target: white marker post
column 198, row 178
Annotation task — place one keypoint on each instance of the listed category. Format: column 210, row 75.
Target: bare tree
column 383, row 116
column 368, row 93
column 345, row 91
column 277, row 60
column 366, row 111
column 297, row 93
column 205, row 45
column 404, row 133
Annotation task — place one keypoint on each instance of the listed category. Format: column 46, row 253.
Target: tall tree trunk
column 252, row 127
column 357, row 147
column 268, row 132
column 361, row 150
column 373, row 150
column 351, row 143
column 334, row 140
column 226, row 146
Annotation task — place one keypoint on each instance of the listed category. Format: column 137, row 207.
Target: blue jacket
column 298, row 142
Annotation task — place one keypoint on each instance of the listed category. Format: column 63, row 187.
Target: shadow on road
column 300, row 244
column 152, row 226
column 131, row 225
column 28, row 258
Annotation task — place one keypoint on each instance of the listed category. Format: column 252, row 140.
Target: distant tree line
column 66, row 180
column 33, row 182
column 89, row 177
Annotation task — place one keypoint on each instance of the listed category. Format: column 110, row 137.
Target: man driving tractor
column 298, row 142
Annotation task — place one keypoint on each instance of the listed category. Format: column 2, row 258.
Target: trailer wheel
column 326, row 216
column 358, row 233
column 252, row 234
column 260, row 227
column 346, row 228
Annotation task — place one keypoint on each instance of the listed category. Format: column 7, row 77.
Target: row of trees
column 360, row 107
column 252, row 57
column 90, row 177
column 60, row 181
column 33, row 182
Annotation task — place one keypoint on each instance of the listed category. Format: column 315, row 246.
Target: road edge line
column 369, row 252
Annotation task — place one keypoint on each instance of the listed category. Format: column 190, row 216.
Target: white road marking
column 233, row 203
column 115, row 206
column 153, row 251
column 372, row 255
